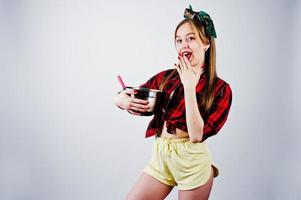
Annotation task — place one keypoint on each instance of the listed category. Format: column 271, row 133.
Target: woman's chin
column 193, row 64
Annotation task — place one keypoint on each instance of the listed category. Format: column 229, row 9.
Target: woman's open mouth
column 187, row 54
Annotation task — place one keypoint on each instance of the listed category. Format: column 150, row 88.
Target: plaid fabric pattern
column 173, row 110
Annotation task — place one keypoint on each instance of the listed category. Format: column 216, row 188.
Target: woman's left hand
column 189, row 77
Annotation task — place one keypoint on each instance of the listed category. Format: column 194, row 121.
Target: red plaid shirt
column 173, row 111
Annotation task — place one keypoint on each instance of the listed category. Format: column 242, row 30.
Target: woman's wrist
column 189, row 88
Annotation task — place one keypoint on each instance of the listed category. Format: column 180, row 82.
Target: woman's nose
column 185, row 44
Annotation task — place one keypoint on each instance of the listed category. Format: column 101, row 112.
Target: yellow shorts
column 179, row 162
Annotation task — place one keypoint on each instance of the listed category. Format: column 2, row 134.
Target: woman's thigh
column 199, row 193
column 148, row 188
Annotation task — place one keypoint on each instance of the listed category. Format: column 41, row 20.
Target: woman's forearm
column 194, row 120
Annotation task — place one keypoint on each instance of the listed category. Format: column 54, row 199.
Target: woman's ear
column 206, row 47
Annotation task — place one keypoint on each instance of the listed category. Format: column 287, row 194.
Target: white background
column 61, row 137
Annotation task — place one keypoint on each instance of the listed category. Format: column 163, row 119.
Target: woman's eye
column 178, row 41
column 190, row 38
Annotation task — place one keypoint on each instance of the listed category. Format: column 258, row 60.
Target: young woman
column 196, row 107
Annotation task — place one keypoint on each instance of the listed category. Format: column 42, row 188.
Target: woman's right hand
column 135, row 106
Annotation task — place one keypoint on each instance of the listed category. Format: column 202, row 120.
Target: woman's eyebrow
column 186, row 34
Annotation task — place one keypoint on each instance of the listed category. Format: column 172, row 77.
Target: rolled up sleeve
column 218, row 113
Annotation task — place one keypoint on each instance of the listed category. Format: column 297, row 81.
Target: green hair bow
column 202, row 18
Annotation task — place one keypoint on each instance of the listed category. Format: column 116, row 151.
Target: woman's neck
column 199, row 69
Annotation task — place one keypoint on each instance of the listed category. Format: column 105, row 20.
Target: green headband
column 201, row 18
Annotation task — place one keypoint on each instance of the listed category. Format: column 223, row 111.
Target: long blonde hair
column 207, row 96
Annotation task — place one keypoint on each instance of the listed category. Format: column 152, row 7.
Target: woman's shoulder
column 221, row 84
column 222, row 81
column 156, row 79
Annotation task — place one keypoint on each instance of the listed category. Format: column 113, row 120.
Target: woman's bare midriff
column 179, row 133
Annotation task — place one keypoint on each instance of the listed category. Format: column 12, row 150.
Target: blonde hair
column 207, row 96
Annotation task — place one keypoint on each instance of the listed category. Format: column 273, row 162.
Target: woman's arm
column 189, row 78
column 194, row 120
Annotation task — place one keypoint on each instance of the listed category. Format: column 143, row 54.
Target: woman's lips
column 186, row 54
